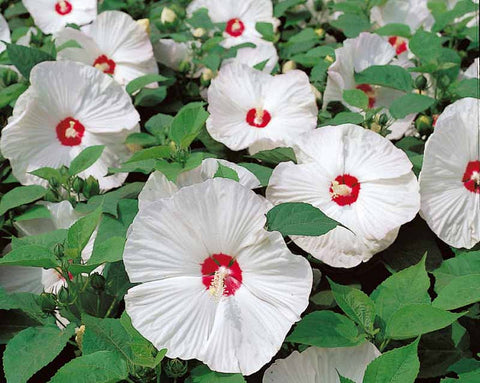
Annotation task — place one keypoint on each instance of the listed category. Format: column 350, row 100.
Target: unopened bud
column 77, row 185
column 145, row 24
column 48, row 302
column 176, row 368
column 383, row 119
column 167, row 16
column 97, row 281
column 288, row 66
column 63, row 295
column 198, row 32
column 320, row 32
column 54, row 183
column 424, row 125
column 173, row 146
column 207, row 74
column 377, row 128
column 329, row 59
column 421, row 82
column 59, row 250
column 91, row 187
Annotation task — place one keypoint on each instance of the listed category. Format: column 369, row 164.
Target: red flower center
column 399, row 44
column 258, row 117
column 370, row 92
column 63, row 7
column 344, row 190
column 235, row 27
column 471, row 178
column 222, row 275
column 70, row 132
column 104, row 64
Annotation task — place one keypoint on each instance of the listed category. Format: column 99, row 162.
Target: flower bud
column 77, row 185
column 320, row 32
column 421, row 82
column 167, row 16
column 145, row 24
column 48, row 302
column 8, row 76
column 50, row 196
column 58, row 250
column 383, row 119
column 97, row 281
column 54, row 183
column 176, row 368
column 288, row 66
column 329, row 59
column 424, row 125
column 377, row 128
column 91, row 187
column 198, row 32
column 64, row 171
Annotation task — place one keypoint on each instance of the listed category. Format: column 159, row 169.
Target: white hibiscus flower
column 214, row 285
column 473, row 70
column 322, row 365
column 172, row 53
column 414, row 13
column 114, row 43
column 4, row 33
column 35, row 279
column 240, row 17
column 158, row 186
column 247, row 105
column 68, row 107
column 53, row 15
column 355, row 56
column 359, row 179
column 258, row 55
column 450, row 176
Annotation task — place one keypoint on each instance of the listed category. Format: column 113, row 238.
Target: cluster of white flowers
column 212, row 283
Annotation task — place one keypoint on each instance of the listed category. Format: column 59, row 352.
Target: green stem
column 109, row 311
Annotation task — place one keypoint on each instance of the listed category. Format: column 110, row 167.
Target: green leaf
column 159, row 124
column 11, row 93
column 47, row 240
column 390, row 76
column 275, row 156
column 86, row 158
column 298, row 218
column 356, row 304
column 344, row 380
column 150, row 96
column 69, row 44
column 467, row 88
column 417, row 319
column 106, row 334
column 30, row 255
column 398, row 365
column 37, row 345
column 142, row 139
column 356, row 98
column 410, row 103
column 461, row 291
column 155, row 152
column 143, row 81
column 25, row 58
column 226, row 172
column 401, row 30
column 27, row 302
column 47, row 173
column 110, row 250
column 326, row 329
column 351, row 24
column 406, row 287
column 35, row 212
column 21, row 195
column 266, row 30
column 99, row 367
column 80, row 232
column 187, row 124
column 202, row 374
column 283, row 6
column 262, row 173
column 346, row 118
column 427, row 46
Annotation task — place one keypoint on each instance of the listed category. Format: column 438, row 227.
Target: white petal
column 4, row 33
column 87, row 54
column 414, row 13
column 257, row 55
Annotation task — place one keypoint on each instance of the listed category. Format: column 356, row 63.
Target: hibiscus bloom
column 4, row 33
column 264, row 52
column 68, row 107
column 214, row 284
column 158, row 186
column 114, row 43
column 355, row 56
column 52, row 15
column 240, row 18
column 36, row 279
column 247, row 105
column 414, row 13
column 473, row 70
column 322, row 365
column 450, row 176
column 359, row 179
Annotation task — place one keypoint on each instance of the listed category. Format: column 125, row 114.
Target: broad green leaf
column 21, row 195
column 31, row 349
column 461, row 291
column 467, row 88
column 142, row 139
column 275, row 156
column 85, row 159
column 47, row 240
column 226, row 172
column 427, row 46
column 356, row 98
column 262, row 173
column 106, row 334
column 391, row 29
column 14, row 321
column 143, row 166
column 464, row 263
column 47, row 173
column 30, row 255
column 351, row 24
column 111, row 199
column 410, row 103
column 187, row 124
column 266, row 30
column 409, row 286
column 344, row 380
column 159, row 124
column 398, row 365
column 298, row 43
column 80, row 232
column 35, row 212
column 25, row 58
column 11, row 93
column 200, row 19
column 390, row 76
column 417, row 319
column 326, row 329
column 346, row 118
column 143, row 81
column 150, row 96
column 110, row 250
column 356, row 304
column 283, row 6
column 99, row 367
column 155, row 152
column 27, row 302
column 202, row 374
column 297, row 218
